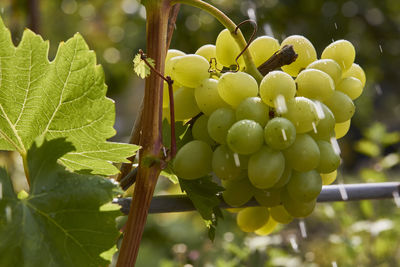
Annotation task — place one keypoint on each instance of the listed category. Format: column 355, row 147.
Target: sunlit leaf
column 140, row 67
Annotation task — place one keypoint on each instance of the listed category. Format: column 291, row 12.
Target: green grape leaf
column 61, row 98
column 203, row 194
column 140, row 67
column 59, row 223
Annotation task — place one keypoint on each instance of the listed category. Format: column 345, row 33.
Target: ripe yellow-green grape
column 305, row 51
column 268, row 198
column 224, row 164
column 329, row 159
column 342, row 51
column 350, row 86
column 303, row 155
column 328, row 178
column 279, row 133
column 234, row 87
column 279, row 214
column 314, row 84
column 267, row 228
column 185, row 104
column 262, row 48
column 219, row 122
column 302, row 112
column 341, row 106
column 326, row 124
column 297, row 208
column 227, row 49
column 304, row 186
column 357, row 72
column 200, row 132
column 274, row 84
column 252, row 108
column 168, row 62
column 263, row 175
column 207, row 97
column 342, row 128
column 209, row 52
column 252, row 218
column 237, row 192
column 245, row 137
column 189, row 70
column 329, row 66
column 193, row 160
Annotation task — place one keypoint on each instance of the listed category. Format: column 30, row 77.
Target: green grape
column 328, row 178
column 279, row 133
column 189, row 70
column 193, row 160
column 303, row 155
column 208, row 51
column 304, row 186
column 285, row 178
column 329, row 66
column 252, row 218
column 234, row 87
column 297, row 208
column 200, row 132
column 305, row 51
column 224, row 164
column 302, row 112
column 168, row 62
column 237, row 192
column 342, row 51
column 267, row 228
column 329, row 159
column 350, row 86
column 245, row 137
column 314, row 84
column 267, row 198
column 185, row 104
column 262, row 48
column 219, row 123
column 341, row 129
column 326, row 124
column 279, row 214
column 274, row 84
column 207, row 97
column 341, row 106
column 227, row 50
column 266, row 167
column 252, row 108
column 357, row 72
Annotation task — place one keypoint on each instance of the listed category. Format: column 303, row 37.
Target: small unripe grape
column 304, row 186
column 305, row 51
column 342, row 51
column 193, row 160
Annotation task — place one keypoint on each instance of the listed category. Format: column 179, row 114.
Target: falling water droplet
column 236, row 159
column 268, row 30
column 1, row 191
column 280, row 104
column 8, row 214
column 342, row 191
column 164, row 152
column 284, row 134
column 334, row 264
column 303, row 229
column 335, row 146
column 294, row 244
column 252, row 14
column 314, row 127
column 380, row 48
column 378, row 89
column 396, row 198
column 319, row 109
column 335, row 25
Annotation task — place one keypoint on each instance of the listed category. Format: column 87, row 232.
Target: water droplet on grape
column 236, row 159
column 280, row 104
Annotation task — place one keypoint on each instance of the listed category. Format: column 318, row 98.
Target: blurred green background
column 362, row 233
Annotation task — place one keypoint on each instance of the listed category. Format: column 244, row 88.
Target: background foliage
column 349, row 234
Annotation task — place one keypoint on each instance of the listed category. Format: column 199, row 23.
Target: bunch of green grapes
column 275, row 141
